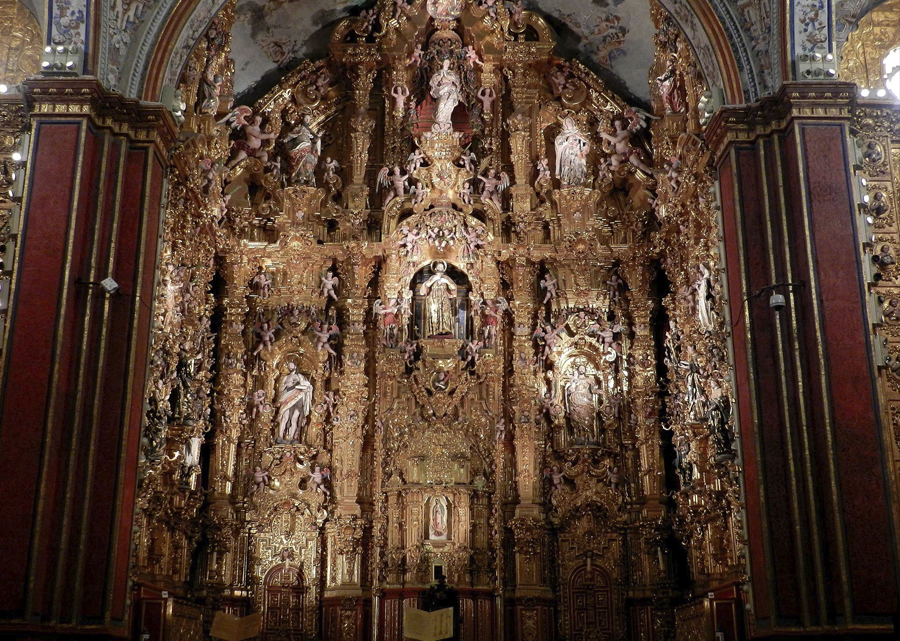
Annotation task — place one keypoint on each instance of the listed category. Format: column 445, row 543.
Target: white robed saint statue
column 294, row 404
column 446, row 89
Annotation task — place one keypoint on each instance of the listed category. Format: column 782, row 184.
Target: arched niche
column 584, row 382
column 429, row 286
column 280, row 362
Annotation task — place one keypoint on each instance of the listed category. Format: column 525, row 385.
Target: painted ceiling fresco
column 611, row 35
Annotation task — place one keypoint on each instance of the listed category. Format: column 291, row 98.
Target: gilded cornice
column 831, row 100
column 85, row 97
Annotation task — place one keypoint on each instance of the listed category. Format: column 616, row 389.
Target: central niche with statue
column 442, row 330
column 441, row 302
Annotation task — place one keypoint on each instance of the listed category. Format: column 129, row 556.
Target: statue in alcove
column 581, row 394
column 446, row 89
column 294, row 404
column 440, row 294
column 571, row 155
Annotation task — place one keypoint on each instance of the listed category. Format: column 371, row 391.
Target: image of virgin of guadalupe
column 437, row 524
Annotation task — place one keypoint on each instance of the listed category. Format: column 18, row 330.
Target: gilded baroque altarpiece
column 436, row 304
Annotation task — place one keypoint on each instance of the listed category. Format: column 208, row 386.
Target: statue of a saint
column 294, row 404
column 444, row 9
column 439, row 291
column 303, row 146
column 571, row 155
column 581, row 405
column 445, row 89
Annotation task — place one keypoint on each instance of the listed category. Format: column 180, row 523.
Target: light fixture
column 17, row 156
column 864, row 93
column 4, row 88
column 881, row 93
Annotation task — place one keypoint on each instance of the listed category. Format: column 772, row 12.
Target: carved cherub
column 549, row 284
column 331, row 167
column 472, row 353
column 409, row 352
column 556, row 476
column 466, row 193
column 266, row 333
column 393, row 183
column 414, row 161
column 623, row 150
column 486, row 95
column 409, row 240
column 258, row 404
column 253, row 137
column 317, row 478
column 329, row 401
column 399, row 93
column 637, row 118
column 500, row 430
column 615, row 478
column 517, row 14
column 416, row 58
column 493, row 186
column 468, row 159
column 329, row 283
column 613, row 286
column 490, row 6
column 260, row 479
column 471, row 57
column 322, row 337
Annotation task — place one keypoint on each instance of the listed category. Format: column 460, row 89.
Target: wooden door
column 283, row 601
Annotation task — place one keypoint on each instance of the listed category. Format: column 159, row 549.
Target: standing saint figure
column 703, row 285
column 571, row 155
column 445, row 89
column 439, row 291
column 294, row 404
column 303, row 147
column 581, row 406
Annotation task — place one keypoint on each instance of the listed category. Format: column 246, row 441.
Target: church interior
column 572, row 320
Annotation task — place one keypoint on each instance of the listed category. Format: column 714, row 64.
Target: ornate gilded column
column 822, row 537
column 349, row 531
column 522, row 194
column 362, row 75
column 533, row 598
column 76, row 356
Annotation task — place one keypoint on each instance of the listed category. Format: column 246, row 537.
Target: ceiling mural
column 612, row 37
column 615, row 35
column 271, row 35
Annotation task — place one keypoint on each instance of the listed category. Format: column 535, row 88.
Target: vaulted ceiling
column 613, row 37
